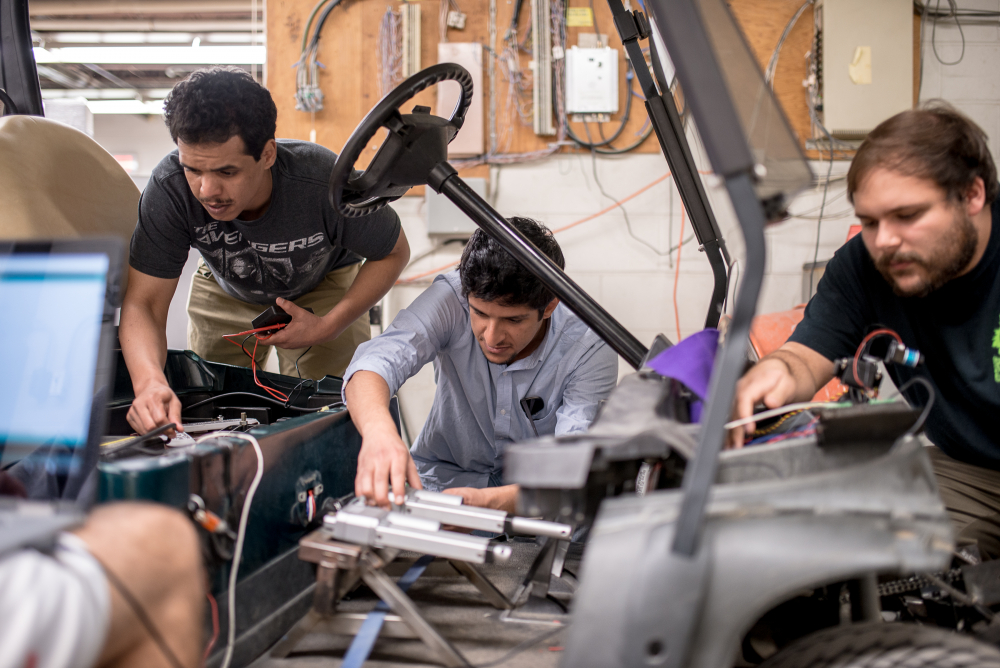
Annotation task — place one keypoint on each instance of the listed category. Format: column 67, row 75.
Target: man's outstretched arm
column 143, row 336
column 791, row 373
column 383, row 459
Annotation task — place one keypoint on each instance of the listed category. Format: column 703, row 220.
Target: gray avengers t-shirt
column 284, row 253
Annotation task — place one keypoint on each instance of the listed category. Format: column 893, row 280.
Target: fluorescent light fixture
column 154, row 55
column 104, row 93
column 125, row 106
column 60, row 38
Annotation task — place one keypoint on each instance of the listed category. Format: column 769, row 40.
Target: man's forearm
column 806, row 384
column 504, row 498
column 367, row 396
column 144, row 345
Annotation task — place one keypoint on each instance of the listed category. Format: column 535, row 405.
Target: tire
column 886, row 645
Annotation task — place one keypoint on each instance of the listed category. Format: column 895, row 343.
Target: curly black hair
column 218, row 103
column 490, row 273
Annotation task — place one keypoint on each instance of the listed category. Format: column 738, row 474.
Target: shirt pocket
column 545, row 421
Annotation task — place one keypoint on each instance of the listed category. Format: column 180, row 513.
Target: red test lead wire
column 281, row 396
column 864, row 342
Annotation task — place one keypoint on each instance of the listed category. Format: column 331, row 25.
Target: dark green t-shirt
column 956, row 327
column 285, row 253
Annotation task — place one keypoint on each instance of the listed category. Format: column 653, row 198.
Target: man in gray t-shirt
column 257, row 210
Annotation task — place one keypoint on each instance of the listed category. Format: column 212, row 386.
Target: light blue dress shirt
column 477, row 410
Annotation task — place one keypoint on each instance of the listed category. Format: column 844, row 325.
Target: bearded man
column 924, row 187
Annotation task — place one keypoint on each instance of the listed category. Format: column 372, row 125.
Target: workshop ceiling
column 136, row 50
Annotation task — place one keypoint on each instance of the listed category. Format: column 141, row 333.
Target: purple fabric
column 690, row 362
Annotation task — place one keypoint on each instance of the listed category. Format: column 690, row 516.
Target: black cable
column 9, row 107
column 244, row 347
column 927, row 407
column 105, row 452
column 628, row 223
column 952, row 13
column 772, row 64
column 291, row 394
column 593, row 18
column 513, row 19
column 297, row 363
column 257, row 396
column 819, row 219
column 527, row 644
column 630, row 147
column 319, row 24
column 140, row 612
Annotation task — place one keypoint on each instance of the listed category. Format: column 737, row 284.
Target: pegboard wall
column 349, row 75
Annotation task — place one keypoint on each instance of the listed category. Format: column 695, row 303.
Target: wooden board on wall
column 349, row 54
column 350, row 78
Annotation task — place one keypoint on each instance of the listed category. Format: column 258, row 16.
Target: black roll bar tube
column 666, row 121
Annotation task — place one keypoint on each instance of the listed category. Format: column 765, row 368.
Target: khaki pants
column 971, row 495
column 212, row 313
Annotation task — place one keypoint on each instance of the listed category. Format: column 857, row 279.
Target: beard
column 945, row 263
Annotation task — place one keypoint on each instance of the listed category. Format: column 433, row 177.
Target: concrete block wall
column 973, row 84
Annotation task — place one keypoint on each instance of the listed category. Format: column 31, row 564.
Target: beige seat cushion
column 55, row 181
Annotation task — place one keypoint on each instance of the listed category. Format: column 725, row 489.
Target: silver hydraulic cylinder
column 449, row 509
column 376, row 527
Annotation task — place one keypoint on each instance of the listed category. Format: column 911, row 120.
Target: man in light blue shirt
column 497, row 336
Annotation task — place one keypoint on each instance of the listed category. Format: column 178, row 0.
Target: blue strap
column 363, row 643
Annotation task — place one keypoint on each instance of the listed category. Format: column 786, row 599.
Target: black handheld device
column 532, row 406
column 272, row 317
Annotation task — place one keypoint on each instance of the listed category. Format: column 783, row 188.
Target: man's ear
column 975, row 197
column 547, row 313
column 269, row 154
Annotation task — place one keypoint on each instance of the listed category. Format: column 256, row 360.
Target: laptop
column 58, row 300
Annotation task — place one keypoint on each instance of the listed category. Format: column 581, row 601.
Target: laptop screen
column 53, row 307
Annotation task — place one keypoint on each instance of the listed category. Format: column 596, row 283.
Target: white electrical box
column 867, row 63
column 591, row 81
column 447, row 220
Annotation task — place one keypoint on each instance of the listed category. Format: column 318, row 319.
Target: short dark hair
column 935, row 142
column 215, row 104
column 492, row 274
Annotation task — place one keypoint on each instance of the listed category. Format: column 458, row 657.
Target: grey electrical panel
column 444, row 218
column 867, row 63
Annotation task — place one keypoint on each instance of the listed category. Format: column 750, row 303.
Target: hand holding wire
column 306, row 329
column 154, row 406
column 771, row 381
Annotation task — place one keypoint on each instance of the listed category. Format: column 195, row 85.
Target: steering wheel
column 403, row 157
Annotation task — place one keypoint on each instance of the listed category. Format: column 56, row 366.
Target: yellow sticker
column 860, row 67
column 579, row 17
